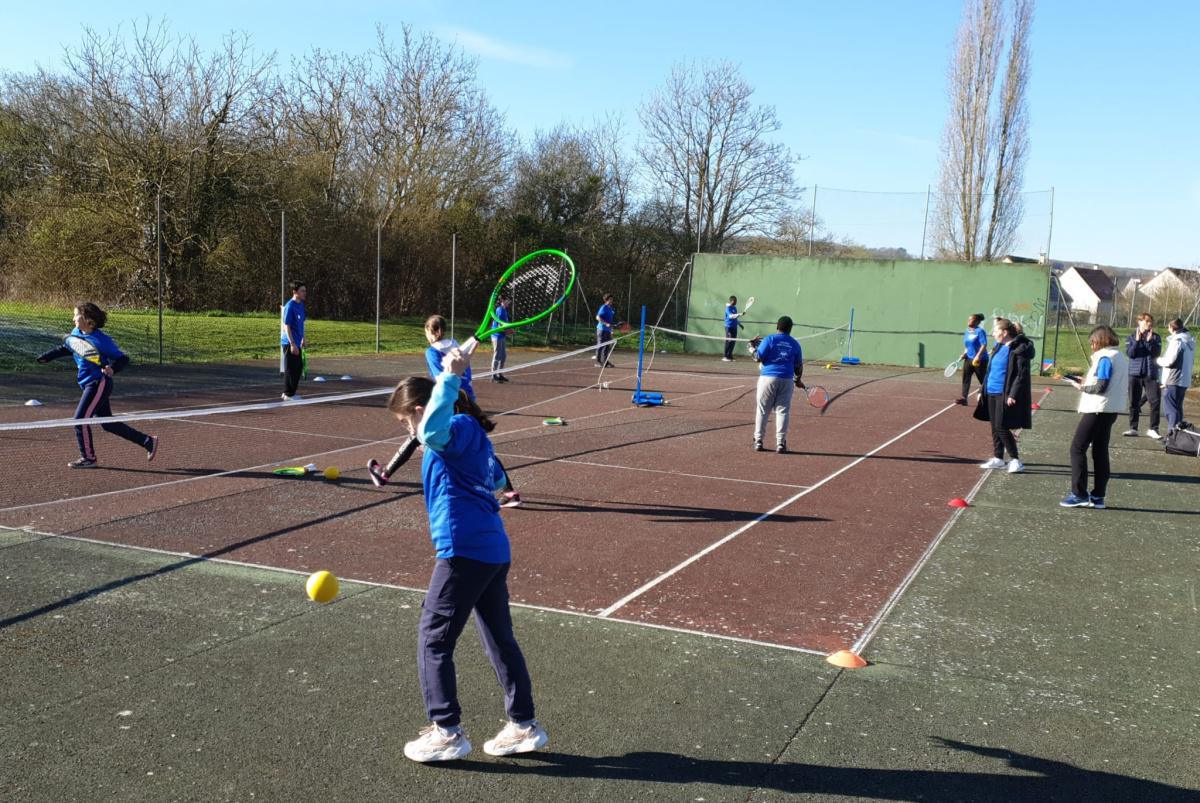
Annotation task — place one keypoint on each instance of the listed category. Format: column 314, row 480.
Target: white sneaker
column 514, row 738
column 286, row 397
column 1153, row 433
column 435, row 743
column 1015, row 466
column 994, row 462
column 726, row 359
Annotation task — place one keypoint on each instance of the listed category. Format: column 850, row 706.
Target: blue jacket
column 88, row 367
column 780, row 355
column 460, row 477
column 1142, row 354
column 294, row 316
column 500, row 316
column 975, row 342
column 731, row 319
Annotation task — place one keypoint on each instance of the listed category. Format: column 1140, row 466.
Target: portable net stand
column 644, row 398
column 850, row 359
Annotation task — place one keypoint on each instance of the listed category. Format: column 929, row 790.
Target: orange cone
column 958, row 501
column 846, row 660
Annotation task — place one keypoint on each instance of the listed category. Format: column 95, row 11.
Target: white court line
column 394, row 586
column 651, row 470
column 717, row 544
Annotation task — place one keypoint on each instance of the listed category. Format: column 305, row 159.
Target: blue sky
column 859, row 88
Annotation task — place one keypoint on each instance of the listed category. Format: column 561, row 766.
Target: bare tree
column 708, row 155
column 986, row 139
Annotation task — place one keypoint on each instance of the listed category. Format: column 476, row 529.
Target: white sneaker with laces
column 1015, row 466
column 1153, row 433
column 993, row 462
column 435, row 743
column 514, row 738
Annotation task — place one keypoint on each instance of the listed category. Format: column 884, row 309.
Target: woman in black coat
column 1007, row 397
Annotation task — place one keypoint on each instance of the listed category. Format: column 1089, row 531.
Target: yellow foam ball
column 332, row 473
column 321, row 587
column 828, row 365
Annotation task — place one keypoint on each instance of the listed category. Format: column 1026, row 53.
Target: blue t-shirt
column 975, row 341
column 997, row 371
column 780, row 355
column 1104, row 368
column 433, row 359
column 88, row 366
column 293, row 316
column 606, row 315
column 500, row 316
column 460, row 475
column 731, row 322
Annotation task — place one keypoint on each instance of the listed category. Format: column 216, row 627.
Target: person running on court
column 435, row 356
column 1007, row 400
column 1103, row 393
column 499, row 341
column 291, row 339
column 604, row 326
column 1176, row 366
column 473, row 556
column 974, row 355
column 781, row 370
column 732, row 324
column 94, row 373
column 1143, row 347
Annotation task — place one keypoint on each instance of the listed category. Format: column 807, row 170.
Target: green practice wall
column 905, row 313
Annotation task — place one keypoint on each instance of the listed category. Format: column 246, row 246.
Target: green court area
column 1039, row 654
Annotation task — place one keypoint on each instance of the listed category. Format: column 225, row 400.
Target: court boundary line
column 398, row 587
column 652, row 470
column 623, row 601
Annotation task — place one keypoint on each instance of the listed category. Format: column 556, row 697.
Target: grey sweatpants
column 773, row 392
column 499, row 354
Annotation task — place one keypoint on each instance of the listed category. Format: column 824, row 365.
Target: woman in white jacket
column 1177, row 361
column 1101, row 400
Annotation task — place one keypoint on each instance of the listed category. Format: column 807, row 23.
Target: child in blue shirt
column 974, row 356
column 604, row 327
column 460, row 473
column 291, row 339
column 499, row 341
column 732, row 323
column 94, row 375
column 782, row 369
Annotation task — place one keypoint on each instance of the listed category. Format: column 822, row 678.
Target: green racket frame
column 490, row 325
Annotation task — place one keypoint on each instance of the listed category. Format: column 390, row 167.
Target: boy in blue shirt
column 291, row 339
column 604, row 326
column 781, row 371
column 499, row 350
column 94, row 375
column 459, row 473
column 731, row 327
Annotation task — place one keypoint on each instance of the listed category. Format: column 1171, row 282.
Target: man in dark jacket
column 1143, row 347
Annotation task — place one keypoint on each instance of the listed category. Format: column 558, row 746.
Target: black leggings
column 1002, row 437
column 968, row 371
column 94, row 404
column 1094, row 430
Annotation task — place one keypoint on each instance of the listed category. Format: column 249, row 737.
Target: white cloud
column 490, row 48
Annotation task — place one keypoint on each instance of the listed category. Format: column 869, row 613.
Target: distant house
column 1014, row 259
column 1172, row 291
column 1088, row 293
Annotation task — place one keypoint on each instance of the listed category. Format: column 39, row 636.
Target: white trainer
column 1153, row 433
column 514, row 738
column 1015, row 466
column 435, row 743
column 993, row 462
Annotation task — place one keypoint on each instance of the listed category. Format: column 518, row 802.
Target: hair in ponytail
column 415, row 391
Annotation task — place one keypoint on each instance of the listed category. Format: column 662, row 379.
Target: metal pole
column 925, row 226
column 1050, row 232
column 629, row 300
column 378, row 277
column 453, row 277
column 812, row 220
column 158, row 248
column 1057, row 322
column 1132, row 301
column 282, row 276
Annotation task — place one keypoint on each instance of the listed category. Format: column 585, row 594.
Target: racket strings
column 536, row 286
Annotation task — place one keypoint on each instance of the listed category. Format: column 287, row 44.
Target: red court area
column 659, row 515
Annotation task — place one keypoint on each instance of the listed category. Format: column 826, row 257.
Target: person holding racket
column 291, row 339
column 97, row 358
column 470, row 573
column 974, row 356
column 1007, row 397
column 732, row 324
column 604, row 329
column 499, row 350
column 782, row 369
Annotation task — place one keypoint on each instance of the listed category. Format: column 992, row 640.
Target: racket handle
column 469, row 347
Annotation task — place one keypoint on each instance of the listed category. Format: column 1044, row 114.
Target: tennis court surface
column 678, row 593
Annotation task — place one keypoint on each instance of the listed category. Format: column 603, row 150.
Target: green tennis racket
column 538, row 283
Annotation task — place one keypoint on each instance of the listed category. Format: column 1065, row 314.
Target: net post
column 641, row 352
column 850, row 359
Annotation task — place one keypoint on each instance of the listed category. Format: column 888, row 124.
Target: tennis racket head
column 537, row 284
column 951, row 369
column 83, row 349
column 817, row 396
column 749, row 304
